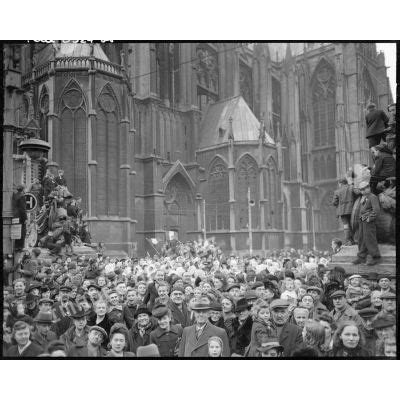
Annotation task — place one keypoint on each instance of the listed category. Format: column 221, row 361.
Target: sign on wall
column 31, row 202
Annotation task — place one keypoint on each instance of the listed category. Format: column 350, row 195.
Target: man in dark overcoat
column 377, row 122
column 19, row 211
column 289, row 335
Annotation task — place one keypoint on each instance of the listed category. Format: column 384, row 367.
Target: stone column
column 51, row 116
column 232, row 202
column 92, row 143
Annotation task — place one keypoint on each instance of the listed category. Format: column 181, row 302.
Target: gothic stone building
column 160, row 137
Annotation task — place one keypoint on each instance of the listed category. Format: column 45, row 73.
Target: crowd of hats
column 187, row 266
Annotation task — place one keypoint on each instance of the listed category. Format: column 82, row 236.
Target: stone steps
column 347, row 254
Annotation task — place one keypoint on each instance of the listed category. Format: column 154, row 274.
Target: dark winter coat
column 290, row 339
column 343, row 200
column 180, row 317
column 150, row 295
column 376, row 121
column 384, row 166
column 106, row 324
column 341, row 351
column 128, row 314
column 243, row 336
column 19, row 206
column 70, row 339
column 43, row 341
column 81, row 350
column 33, row 350
column 135, row 339
column 166, row 341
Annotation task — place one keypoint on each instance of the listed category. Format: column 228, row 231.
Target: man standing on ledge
column 367, row 243
column 343, row 200
column 377, row 122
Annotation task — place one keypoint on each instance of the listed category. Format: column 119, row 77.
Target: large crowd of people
column 191, row 300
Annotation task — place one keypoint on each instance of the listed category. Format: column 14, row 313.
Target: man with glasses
column 367, row 241
column 194, row 341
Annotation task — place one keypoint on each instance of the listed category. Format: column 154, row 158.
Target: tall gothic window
column 107, row 150
column 247, row 177
column 155, row 66
column 206, row 65
column 323, row 104
column 217, row 201
column 309, row 214
column 246, row 83
column 276, row 106
column 71, row 145
column 285, row 214
column 368, row 88
column 43, row 111
column 328, row 220
column 272, row 190
column 285, row 156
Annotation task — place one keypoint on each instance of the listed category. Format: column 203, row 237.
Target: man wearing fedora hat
column 194, row 341
column 42, row 336
column 367, row 241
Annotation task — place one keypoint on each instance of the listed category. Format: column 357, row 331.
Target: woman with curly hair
column 119, row 342
column 230, row 321
column 348, row 341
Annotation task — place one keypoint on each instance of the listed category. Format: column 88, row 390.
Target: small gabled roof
column 216, row 126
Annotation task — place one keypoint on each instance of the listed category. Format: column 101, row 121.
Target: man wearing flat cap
column 342, row 311
column 367, row 241
column 289, row 335
column 368, row 315
column 388, row 305
column 93, row 348
column 194, row 341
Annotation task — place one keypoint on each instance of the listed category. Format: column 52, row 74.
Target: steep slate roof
column 245, row 125
column 81, row 50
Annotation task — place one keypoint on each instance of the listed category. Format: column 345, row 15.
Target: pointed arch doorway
column 179, row 208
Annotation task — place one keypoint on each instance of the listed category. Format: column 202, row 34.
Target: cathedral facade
column 161, row 138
